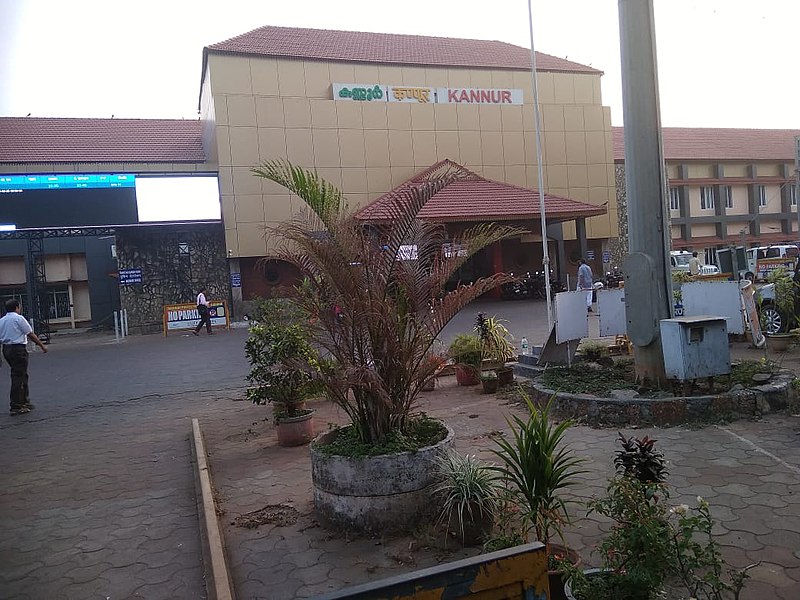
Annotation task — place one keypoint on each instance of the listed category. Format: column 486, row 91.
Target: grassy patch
column 421, row 431
column 580, row 379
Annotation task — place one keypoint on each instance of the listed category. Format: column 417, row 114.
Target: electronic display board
column 70, row 200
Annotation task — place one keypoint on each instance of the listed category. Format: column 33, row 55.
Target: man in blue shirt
column 15, row 332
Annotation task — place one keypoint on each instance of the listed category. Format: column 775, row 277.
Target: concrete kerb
column 596, row 411
column 219, row 585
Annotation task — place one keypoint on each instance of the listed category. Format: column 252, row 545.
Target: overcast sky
column 722, row 63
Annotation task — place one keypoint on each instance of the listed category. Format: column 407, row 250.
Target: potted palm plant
column 469, row 493
column 282, row 365
column 392, row 305
column 466, row 350
column 496, row 345
column 538, row 467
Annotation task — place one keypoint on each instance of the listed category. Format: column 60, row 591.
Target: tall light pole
column 543, row 219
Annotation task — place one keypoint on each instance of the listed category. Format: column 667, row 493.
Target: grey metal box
column 695, row 347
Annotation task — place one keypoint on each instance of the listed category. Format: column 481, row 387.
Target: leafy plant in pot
column 392, row 305
column 469, row 494
column 490, row 382
column 283, row 368
column 652, row 547
column 496, row 346
column 537, row 468
column 466, row 350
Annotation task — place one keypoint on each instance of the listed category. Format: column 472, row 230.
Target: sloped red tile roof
column 40, row 140
column 687, row 143
column 471, row 197
column 358, row 46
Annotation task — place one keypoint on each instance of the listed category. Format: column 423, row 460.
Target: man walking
column 585, row 281
column 202, row 309
column 15, row 332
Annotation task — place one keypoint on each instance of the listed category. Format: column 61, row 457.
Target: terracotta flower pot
column 296, row 431
column 467, row 375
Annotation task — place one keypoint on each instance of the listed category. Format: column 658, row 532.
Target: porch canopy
column 470, row 198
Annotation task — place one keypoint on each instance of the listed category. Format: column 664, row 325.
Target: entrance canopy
column 470, row 197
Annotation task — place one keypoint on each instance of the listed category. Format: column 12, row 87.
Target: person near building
column 205, row 316
column 585, row 282
column 15, row 331
column 694, row 264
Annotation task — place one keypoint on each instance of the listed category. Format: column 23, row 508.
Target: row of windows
column 708, row 201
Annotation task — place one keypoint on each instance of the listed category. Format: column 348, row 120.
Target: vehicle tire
column 772, row 321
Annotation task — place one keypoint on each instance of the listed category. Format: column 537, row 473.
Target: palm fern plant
column 538, row 467
column 392, row 303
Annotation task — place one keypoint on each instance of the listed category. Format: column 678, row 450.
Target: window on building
column 728, row 191
column 674, row 199
column 59, row 302
column 792, row 195
column 762, row 195
column 706, row 197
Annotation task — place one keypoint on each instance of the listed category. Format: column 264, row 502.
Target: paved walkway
column 749, row 472
column 96, row 486
column 97, row 496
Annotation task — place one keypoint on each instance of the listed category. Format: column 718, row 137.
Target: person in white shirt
column 202, row 309
column 15, row 332
column 585, row 282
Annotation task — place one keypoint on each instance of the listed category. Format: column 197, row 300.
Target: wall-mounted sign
column 373, row 92
column 184, row 316
column 130, row 276
column 359, row 92
column 478, row 96
column 420, row 95
column 236, row 280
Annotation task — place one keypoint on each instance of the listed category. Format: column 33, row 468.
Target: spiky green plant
column 390, row 310
column 538, row 467
column 468, row 490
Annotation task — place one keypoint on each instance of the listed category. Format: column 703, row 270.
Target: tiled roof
column 686, row 143
column 471, row 197
column 38, row 140
column 357, row 46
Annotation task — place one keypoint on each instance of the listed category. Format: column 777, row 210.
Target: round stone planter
column 376, row 493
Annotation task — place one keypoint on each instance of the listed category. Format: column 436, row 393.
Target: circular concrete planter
column 375, row 493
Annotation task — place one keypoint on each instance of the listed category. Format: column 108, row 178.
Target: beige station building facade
column 370, row 111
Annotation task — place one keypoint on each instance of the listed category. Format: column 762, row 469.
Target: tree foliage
column 374, row 311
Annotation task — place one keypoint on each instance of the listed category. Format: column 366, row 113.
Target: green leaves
column 376, row 291
column 538, row 467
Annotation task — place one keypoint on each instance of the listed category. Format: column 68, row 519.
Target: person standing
column 585, row 282
column 694, row 265
column 202, row 309
column 15, row 331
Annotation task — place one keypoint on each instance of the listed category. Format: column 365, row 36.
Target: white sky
column 722, row 63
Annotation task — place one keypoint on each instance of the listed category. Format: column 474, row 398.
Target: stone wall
column 175, row 260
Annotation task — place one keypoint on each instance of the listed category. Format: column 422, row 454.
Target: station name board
column 372, row 92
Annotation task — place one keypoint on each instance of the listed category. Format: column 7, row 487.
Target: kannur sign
column 478, row 96
column 185, row 316
column 373, row 92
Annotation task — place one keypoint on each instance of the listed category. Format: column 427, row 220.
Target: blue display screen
column 19, row 183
